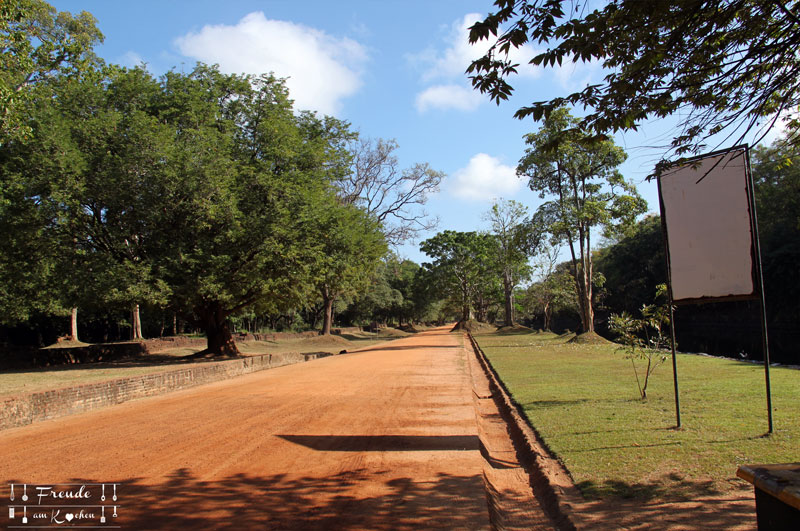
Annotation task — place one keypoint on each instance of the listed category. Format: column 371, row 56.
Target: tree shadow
column 670, row 502
column 385, row 443
column 407, row 347
column 281, row 501
column 672, row 487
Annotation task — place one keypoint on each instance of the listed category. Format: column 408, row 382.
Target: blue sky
column 394, row 69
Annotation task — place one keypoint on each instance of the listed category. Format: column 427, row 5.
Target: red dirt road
column 386, row 438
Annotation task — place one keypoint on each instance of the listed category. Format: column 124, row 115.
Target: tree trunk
column 73, row 325
column 218, row 334
column 136, row 323
column 547, row 315
column 174, row 324
column 509, row 296
column 327, row 314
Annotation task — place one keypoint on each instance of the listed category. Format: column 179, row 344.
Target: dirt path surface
column 392, row 437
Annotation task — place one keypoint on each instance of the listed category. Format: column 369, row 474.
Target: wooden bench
column 777, row 494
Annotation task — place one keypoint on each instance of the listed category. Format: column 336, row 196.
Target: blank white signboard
column 708, row 228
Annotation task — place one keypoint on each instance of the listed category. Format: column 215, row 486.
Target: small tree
column 517, row 238
column 643, row 340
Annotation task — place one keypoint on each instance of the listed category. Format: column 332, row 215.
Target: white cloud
column 485, row 178
column 448, row 97
column 130, row 59
column 459, row 53
column 322, row 69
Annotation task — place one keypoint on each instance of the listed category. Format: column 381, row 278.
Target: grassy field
column 584, row 402
column 32, row 380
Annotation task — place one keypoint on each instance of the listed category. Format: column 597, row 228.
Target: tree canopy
column 517, row 238
column 38, row 43
column 722, row 65
column 463, row 267
column 578, row 173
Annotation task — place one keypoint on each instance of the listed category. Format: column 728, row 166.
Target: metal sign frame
column 756, row 271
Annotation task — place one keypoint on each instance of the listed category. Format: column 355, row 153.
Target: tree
column 393, row 196
column 554, row 290
column 349, row 249
column 724, row 65
column 633, row 266
column 517, row 239
column 201, row 184
column 242, row 192
column 645, row 339
column 776, row 176
column 579, row 173
column 38, row 43
column 459, row 265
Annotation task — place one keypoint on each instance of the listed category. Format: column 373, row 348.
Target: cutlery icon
column 25, row 492
column 12, row 492
column 103, row 495
column 115, row 493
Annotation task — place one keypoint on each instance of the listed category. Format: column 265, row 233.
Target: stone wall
column 33, row 407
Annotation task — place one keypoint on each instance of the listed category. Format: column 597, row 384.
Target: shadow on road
column 245, row 501
column 385, row 443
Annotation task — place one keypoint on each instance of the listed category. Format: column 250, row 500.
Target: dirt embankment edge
column 551, row 482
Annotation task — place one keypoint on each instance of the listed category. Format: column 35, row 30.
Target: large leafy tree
column 579, row 176
column 195, row 189
column 517, row 239
column 244, row 190
column 720, row 65
column 38, row 45
column 461, row 266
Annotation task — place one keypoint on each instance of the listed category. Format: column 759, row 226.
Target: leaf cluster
column 723, row 66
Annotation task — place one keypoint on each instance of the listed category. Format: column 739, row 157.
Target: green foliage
column 644, row 339
column 203, row 190
column 776, row 175
column 555, row 292
column 349, row 247
column 633, row 266
column 517, row 239
column 463, row 268
column 578, row 173
column 722, row 63
column 37, row 43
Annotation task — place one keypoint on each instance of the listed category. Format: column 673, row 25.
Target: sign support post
column 760, row 283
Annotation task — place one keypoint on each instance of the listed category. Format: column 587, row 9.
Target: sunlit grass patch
column 584, row 402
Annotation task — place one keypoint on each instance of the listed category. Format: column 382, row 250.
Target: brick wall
column 43, row 405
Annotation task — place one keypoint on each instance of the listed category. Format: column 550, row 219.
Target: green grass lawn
column 584, row 402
